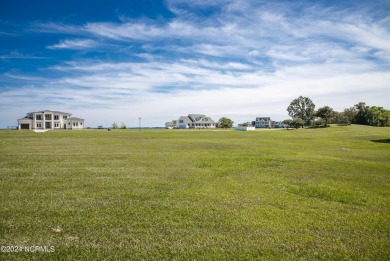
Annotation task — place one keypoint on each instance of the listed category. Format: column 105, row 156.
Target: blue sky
column 119, row 60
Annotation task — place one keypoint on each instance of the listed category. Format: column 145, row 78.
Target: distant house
column 278, row 124
column 171, row 124
column 266, row 122
column 50, row 120
column 263, row 122
column 195, row 121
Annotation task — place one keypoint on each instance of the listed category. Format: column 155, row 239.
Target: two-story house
column 262, row 122
column 50, row 120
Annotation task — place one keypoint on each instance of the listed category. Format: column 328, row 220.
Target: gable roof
column 185, row 119
column 196, row 117
column 263, row 118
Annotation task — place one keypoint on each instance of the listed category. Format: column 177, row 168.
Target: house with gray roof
column 195, row 121
column 171, row 124
column 50, row 120
column 263, row 122
column 266, row 122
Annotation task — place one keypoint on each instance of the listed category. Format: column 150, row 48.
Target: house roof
column 185, row 119
column 55, row 112
column 263, row 118
column 74, row 118
column 205, row 119
column 25, row 118
column 196, row 118
column 200, row 118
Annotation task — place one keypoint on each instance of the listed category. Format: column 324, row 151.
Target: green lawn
column 197, row 195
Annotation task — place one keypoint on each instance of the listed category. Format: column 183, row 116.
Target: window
column 47, row 116
column 56, row 117
column 56, row 125
column 181, row 121
column 38, row 117
column 64, row 117
column 75, row 124
column 81, row 124
column 39, row 125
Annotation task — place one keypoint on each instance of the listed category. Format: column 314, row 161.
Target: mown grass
column 197, row 195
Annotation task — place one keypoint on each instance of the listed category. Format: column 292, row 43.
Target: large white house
column 266, row 122
column 50, row 120
column 263, row 122
column 195, row 121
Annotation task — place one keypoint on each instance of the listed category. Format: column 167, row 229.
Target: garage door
column 25, row 126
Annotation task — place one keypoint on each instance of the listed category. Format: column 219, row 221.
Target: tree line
column 302, row 112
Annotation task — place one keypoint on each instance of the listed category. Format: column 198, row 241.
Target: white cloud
column 18, row 55
column 75, row 44
column 129, row 87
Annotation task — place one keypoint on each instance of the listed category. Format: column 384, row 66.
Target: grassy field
column 196, row 195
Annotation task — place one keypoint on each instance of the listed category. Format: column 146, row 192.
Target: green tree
column 325, row 113
column 303, row 108
column 294, row 123
column 342, row 119
column 350, row 113
column 114, row 125
column 384, row 119
column 297, row 122
column 123, row 126
column 363, row 113
column 288, row 122
column 225, row 123
column 377, row 116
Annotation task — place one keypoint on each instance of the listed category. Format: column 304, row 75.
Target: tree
column 325, row 113
column 288, row 122
column 378, row 116
column 342, row 119
column 225, row 123
column 350, row 113
column 302, row 108
column 114, row 125
column 123, row 126
column 384, row 119
column 297, row 122
column 363, row 113
column 294, row 123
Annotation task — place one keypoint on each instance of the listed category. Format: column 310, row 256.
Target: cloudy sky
column 119, row 60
